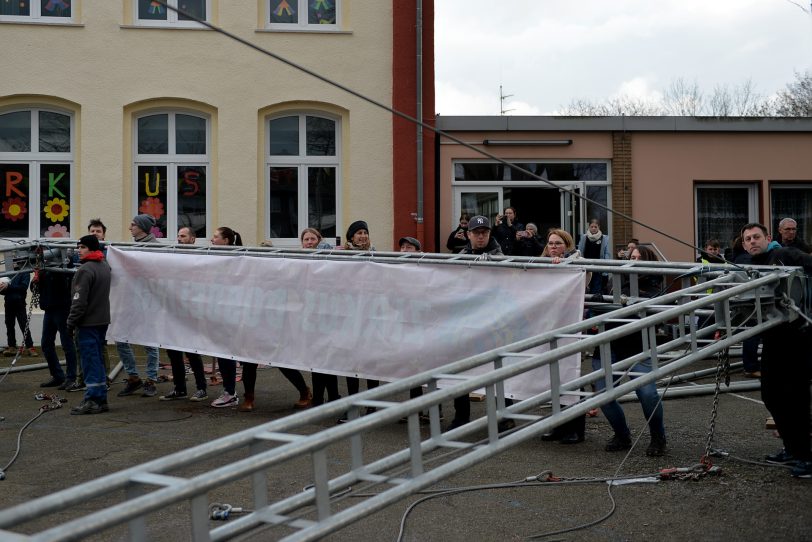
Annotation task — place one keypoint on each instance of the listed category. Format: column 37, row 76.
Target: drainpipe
column 419, row 115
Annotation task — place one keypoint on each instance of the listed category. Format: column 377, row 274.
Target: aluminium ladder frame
column 310, row 513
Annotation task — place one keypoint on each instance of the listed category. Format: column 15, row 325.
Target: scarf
column 594, row 237
column 95, row 256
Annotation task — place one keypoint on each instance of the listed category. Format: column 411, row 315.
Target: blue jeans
column 125, row 354
column 54, row 321
column 91, row 342
column 647, row 395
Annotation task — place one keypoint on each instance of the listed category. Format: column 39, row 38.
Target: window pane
column 152, row 196
column 793, row 203
column 598, row 194
column 480, row 203
column 720, row 213
column 16, row 7
column 15, row 131
column 321, row 200
column 553, row 172
column 153, row 134
column 54, row 183
column 54, row 132
column 55, row 8
column 321, row 136
column 284, row 202
column 284, row 11
column 190, row 135
column 192, row 199
column 285, row 136
column 14, row 209
column 321, row 11
column 196, row 8
column 150, row 10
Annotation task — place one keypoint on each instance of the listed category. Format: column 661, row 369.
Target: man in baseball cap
column 479, row 238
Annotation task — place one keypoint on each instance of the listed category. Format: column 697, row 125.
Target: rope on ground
column 54, row 402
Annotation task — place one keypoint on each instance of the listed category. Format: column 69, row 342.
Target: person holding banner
column 479, row 242
column 358, row 239
column 560, row 246
column 311, row 238
column 225, row 236
column 186, row 236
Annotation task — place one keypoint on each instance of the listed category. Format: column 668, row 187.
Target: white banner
column 359, row 318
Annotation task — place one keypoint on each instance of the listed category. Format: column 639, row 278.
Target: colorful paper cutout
column 156, row 231
column 152, row 206
column 14, row 209
column 56, row 209
column 53, row 4
column 283, row 6
column 156, row 8
column 57, row 230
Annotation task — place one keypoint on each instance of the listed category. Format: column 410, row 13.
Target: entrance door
column 487, row 202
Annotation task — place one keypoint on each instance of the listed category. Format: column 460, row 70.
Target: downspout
column 419, row 115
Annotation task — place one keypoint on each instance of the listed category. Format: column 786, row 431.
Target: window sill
column 300, row 30
column 43, row 23
column 161, row 27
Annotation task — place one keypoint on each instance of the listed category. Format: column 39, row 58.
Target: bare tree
column 738, row 101
column 683, row 99
column 796, row 99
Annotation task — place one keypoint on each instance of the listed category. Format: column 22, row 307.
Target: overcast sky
column 548, row 52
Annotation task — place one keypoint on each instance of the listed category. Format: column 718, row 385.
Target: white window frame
column 171, row 17
column 302, row 24
column 302, row 162
column 36, row 15
column 35, row 159
column 172, row 160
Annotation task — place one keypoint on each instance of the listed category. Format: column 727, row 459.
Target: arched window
column 172, row 160
column 36, row 167
column 302, row 174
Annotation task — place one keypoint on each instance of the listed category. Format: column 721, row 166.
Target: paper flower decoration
column 156, row 231
column 56, row 209
column 57, row 230
column 14, row 209
column 152, row 206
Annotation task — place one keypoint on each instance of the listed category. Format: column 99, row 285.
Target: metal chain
column 722, row 368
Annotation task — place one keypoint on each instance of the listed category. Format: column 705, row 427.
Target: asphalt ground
column 746, row 501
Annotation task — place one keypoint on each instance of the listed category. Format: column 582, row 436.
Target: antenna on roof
column 502, row 98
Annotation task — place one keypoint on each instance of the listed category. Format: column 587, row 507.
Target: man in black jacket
column 54, row 290
column 786, row 360
column 89, row 317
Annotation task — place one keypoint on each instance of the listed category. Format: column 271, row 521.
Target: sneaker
column 618, row 443
column 90, row 406
column 33, row 352
column 10, row 351
column 199, row 395
column 305, row 399
column 172, row 396
column 781, row 457
column 225, row 400
column 656, row 447
column 76, row 386
column 66, row 384
column 149, row 389
column 802, row 469
column 133, row 384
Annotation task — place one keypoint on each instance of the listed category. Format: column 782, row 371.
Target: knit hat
column 354, row 227
column 145, row 222
column 90, row 241
column 412, row 241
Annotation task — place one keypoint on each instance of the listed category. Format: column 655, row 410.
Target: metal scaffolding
column 743, row 303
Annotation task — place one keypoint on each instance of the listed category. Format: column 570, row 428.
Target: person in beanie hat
column 89, row 317
column 140, row 228
column 358, row 236
column 409, row 244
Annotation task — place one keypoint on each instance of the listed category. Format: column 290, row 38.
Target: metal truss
column 743, row 303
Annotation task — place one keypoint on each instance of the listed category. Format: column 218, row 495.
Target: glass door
column 477, row 201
